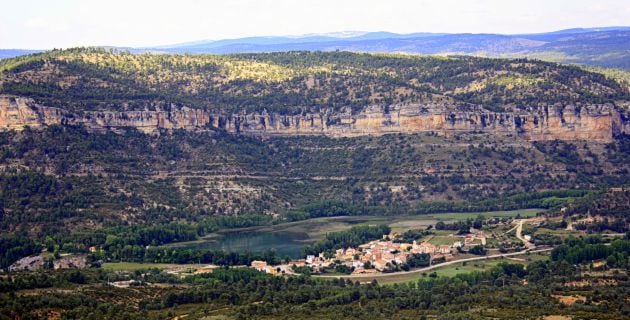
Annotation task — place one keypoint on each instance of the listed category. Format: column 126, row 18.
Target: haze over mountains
column 605, row 47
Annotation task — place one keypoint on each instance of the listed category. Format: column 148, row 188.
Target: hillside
column 294, row 82
column 66, row 178
column 269, row 138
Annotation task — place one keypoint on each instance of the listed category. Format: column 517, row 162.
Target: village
column 376, row 256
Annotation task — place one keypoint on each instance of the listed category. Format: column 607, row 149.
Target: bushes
column 586, row 250
column 16, row 247
column 478, row 250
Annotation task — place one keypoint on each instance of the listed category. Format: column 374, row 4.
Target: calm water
column 285, row 243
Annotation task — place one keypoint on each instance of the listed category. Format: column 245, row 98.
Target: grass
column 320, row 226
column 453, row 270
column 562, row 233
column 132, row 266
column 483, row 265
column 489, row 214
column 444, row 240
column 459, row 268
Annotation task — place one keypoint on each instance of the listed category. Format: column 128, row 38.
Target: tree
column 478, row 250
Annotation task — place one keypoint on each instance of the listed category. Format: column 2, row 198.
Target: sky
column 45, row 24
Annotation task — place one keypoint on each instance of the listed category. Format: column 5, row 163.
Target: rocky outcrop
column 596, row 122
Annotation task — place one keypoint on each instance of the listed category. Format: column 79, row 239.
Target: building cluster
column 374, row 256
column 377, row 255
column 263, row 266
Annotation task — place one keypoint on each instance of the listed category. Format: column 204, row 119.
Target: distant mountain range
column 605, row 47
column 10, row 53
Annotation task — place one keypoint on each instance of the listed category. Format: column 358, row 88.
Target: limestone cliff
column 595, row 122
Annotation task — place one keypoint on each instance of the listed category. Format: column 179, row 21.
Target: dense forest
column 293, row 82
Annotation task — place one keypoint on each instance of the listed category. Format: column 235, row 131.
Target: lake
column 284, row 243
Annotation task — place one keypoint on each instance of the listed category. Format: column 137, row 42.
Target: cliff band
column 593, row 122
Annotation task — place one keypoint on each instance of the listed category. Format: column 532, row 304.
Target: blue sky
column 44, row 24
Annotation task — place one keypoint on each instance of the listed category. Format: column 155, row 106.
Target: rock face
column 595, row 122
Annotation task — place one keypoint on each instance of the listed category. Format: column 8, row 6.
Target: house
column 426, row 247
column 259, row 265
column 457, row 244
column 401, row 258
column 203, row 270
column 270, row 270
column 263, row 267
column 444, row 249
column 310, row 258
column 380, row 264
column 388, row 256
column 377, row 256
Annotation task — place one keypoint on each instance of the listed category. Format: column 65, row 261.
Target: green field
column 132, row 266
column 562, row 233
column 444, row 240
column 489, row 214
column 483, row 265
column 452, row 270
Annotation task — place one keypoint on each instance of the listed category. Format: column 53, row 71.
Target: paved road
column 435, row 266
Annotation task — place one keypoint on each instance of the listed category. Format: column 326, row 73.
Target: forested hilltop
column 294, row 82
